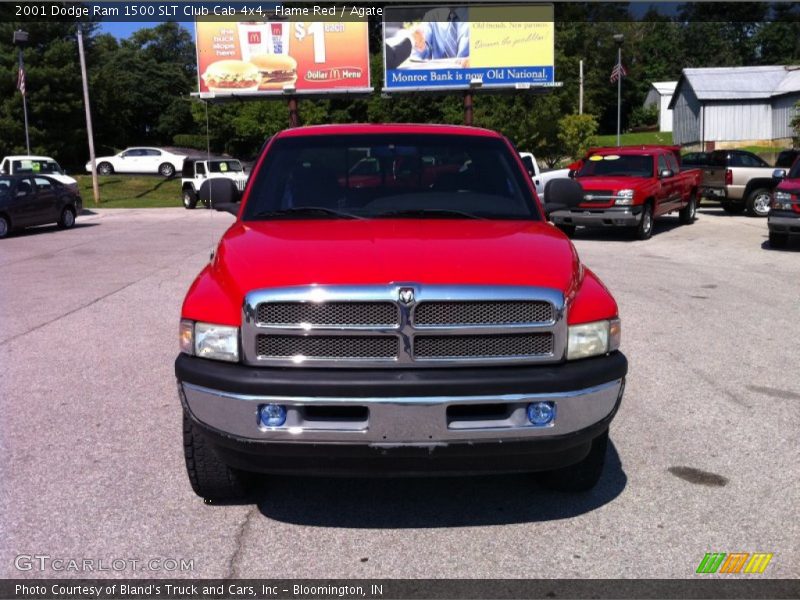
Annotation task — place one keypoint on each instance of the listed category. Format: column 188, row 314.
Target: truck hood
column 612, row 183
column 253, row 255
column 789, row 185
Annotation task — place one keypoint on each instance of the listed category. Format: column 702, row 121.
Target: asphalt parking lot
column 704, row 456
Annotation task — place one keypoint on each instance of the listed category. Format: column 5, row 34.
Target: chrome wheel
column 104, row 169
column 761, row 204
column 647, row 224
column 166, row 170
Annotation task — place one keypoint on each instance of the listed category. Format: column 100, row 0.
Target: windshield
column 617, row 166
column 390, row 176
column 786, row 159
column 224, row 166
column 49, row 167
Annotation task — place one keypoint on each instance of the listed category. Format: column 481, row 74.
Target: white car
column 139, row 160
column 36, row 165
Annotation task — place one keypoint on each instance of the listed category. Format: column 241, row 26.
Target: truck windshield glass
column 390, row 176
column 606, row 165
column 49, row 167
column 224, row 166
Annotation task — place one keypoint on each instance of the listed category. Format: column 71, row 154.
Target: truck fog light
column 541, row 413
column 272, row 415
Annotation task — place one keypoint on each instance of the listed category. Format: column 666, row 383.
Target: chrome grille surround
column 509, row 339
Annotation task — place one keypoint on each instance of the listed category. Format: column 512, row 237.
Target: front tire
column 105, row 168
column 582, row 476
column 758, row 202
column 688, row 213
column 778, row 240
column 166, row 170
column 189, row 198
column 67, row 218
column 211, row 479
column 5, row 226
column 644, row 230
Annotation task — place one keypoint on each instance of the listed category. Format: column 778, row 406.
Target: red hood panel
column 263, row 254
column 789, row 185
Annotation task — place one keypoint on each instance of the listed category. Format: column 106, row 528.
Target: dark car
column 786, row 158
column 27, row 200
column 695, row 159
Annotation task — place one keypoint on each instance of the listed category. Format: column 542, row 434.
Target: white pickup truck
column 540, row 178
column 36, row 165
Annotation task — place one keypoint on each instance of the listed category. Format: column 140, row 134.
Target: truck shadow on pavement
column 618, row 234
column 401, row 503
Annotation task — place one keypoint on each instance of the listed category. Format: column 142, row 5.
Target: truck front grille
column 598, row 196
column 343, row 314
column 482, row 313
column 483, row 346
column 400, row 325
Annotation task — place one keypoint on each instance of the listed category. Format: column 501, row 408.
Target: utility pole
column 580, row 83
column 20, row 39
column 89, row 131
column 618, row 39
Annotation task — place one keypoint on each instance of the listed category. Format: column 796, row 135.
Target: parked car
column 447, row 328
column 540, row 177
column 28, row 200
column 695, row 159
column 196, row 171
column 784, row 216
column 36, row 165
column 740, row 180
column 629, row 187
column 139, row 160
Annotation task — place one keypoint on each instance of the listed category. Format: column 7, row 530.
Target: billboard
column 275, row 57
column 458, row 47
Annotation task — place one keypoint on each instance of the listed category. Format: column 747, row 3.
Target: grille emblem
column 406, row 295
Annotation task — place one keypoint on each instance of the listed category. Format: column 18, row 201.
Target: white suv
column 196, row 171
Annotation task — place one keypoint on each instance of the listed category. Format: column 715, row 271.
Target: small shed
column 660, row 94
column 735, row 106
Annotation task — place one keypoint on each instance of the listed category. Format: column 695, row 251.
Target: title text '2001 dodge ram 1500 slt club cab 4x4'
column 630, row 186
column 429, row 322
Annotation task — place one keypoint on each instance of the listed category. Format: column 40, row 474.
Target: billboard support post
column 468, row 108
column 294, row 119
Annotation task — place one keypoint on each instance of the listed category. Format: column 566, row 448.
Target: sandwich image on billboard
column 455, row 46
column 279, row 56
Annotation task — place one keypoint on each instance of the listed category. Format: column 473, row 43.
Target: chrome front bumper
column 401, row 421
column 597, row 217
column 781, row 224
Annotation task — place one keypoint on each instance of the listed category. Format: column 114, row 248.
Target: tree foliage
column 576, row 134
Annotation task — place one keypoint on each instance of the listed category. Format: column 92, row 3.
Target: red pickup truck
column 629, row 187
column 438, row 326
column 784, row 215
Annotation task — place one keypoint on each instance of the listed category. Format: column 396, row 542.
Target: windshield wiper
column 305, row 211
column 426, row 212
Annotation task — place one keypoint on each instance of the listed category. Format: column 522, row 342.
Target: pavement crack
column 241, row 533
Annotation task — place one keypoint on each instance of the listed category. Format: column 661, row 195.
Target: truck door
column 22, row 205
column 45, row 201
column 664, row 197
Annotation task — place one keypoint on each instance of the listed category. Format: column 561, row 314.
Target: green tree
column 576, row 134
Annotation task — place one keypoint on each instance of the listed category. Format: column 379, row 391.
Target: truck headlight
column 782, row 201
column 624, row 198
column 209, row 340
column 593, row 339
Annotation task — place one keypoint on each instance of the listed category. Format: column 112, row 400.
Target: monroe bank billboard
column 458, row 46
column 278, row 56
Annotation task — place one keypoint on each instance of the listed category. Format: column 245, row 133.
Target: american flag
column 21, row 80
column 617, row 72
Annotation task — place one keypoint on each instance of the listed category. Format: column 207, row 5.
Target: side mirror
column 664, row 173
column 562, row 194
column 779, row 173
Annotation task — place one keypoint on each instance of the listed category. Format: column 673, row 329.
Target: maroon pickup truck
column 630, row 186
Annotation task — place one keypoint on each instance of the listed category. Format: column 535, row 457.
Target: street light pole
column 20, row 39
column 619, row 38
column 90, row 133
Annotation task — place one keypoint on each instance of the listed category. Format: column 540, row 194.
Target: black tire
column 5, row 226
column 688, row 213
column 189, row 198
column 166, row 170
column 105, row 168
column 644, row 230
column 758, row 202
column 211, row 479
column 569, row 230
column 67, row 218
column 778, row 240
column 582, row 476
column 733, row 208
